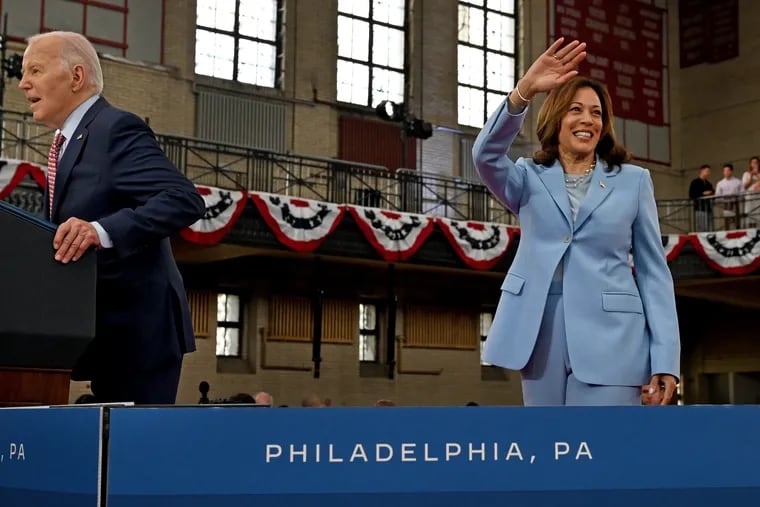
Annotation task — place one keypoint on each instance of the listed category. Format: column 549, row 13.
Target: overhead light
column 12, row 66
column 390, row 111
column 419, row 128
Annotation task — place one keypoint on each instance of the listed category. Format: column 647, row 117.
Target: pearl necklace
column 573, row 180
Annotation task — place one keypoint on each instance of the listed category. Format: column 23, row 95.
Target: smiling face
column 582, row 124
column 51, row 88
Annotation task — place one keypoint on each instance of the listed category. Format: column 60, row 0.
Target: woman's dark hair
column 556, row 107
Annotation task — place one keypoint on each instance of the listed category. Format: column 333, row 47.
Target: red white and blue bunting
column 480, row 245
column 13, row 172
column 303, row 225
column 223, row 207
column 673, row 243
column 300, row 224
column 730, row 252
column 395, row 235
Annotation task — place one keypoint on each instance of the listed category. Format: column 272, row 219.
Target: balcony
column 331, row 180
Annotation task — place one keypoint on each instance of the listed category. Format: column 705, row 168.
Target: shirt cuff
column 105, row 239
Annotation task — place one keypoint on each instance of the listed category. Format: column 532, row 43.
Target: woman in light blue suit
column 579, row 324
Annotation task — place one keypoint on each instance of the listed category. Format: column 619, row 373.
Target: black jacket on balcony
column 697, row 190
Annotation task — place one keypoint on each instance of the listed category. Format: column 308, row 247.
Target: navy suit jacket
column 114, row 172
column 620, row 328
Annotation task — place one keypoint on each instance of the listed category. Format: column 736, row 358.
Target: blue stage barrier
column 484, row 456
column 50, row 457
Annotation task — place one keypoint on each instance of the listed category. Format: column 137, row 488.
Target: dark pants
column 156, row 387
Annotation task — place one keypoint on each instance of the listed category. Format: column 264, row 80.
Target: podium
column 47, row 316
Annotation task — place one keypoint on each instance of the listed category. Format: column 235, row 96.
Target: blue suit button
column 566, row 239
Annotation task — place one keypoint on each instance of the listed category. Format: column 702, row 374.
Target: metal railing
column 325, row 179
column 707, row 214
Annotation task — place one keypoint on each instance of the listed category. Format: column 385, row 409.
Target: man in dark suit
column 111, row 187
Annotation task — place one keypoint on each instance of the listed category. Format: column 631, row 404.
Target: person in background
column 573, row 318
column 751, row 199
column 264, row 398
column 700, row 191
column 728, row 191
column 110, row 187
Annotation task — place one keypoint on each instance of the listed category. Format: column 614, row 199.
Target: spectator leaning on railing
column 700, row 188
column 728, row 190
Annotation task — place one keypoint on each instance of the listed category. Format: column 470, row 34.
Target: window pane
column 471, row 108
column 500, row 72
column 471, row 24
column 505, row 6
column 387, row 85
column 353, row 39
column 367, row 348
column 501, row 33
column 219, row 14
column 388, row 47
column 470, row 65
column 355, row 7
column 486, row 318
column 353, row 82
column 482, row 346
column 493, row 101
column 388, row 11
column 256, row 63
column 475, row 2
column 259, row 19
column 227, row 308
column 214, row 54
column 227, row 341
column 367, row 317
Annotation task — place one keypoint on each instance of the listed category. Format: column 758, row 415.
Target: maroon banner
column 625, row 48
column 708, row 31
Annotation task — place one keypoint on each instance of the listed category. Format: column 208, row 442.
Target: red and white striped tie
column 55, row 150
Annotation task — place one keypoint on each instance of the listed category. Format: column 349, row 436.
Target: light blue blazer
column 620, row 329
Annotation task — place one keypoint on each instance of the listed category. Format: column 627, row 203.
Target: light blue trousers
column 548, row 377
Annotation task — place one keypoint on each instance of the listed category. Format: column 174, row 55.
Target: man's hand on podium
column 73, row 238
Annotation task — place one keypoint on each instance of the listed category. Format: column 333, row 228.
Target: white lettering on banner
column 358, row 453
column 481, row 451
column 599, row 26
column 563, row 449
column 597, row 13
column 383, row 459
column 514, row 450
column 14, row 451
column 294, row 453
column 427, row 455
column 273, row 452
column 332, row 459
column 409, row 452
column 453, row 450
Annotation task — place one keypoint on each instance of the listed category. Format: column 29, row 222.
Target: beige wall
column 459, row 380
column 720, row 103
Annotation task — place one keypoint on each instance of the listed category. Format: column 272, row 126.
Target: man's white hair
column 77, row 50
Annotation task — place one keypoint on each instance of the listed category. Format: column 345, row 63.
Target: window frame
column 230, row 324
column 369, row 334
column 237, row 36
column 404, row 71
column 486, row 51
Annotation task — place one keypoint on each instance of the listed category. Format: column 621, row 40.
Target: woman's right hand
column 555, row 66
